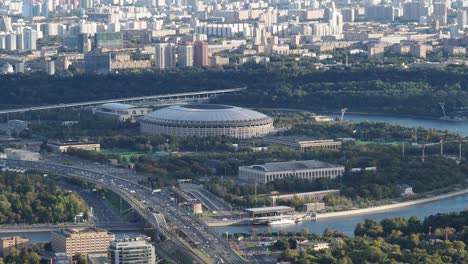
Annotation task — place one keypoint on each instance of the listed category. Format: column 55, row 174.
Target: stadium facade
column 204, row 120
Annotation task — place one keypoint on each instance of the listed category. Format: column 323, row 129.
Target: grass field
column 128, row 153
column 378, row 142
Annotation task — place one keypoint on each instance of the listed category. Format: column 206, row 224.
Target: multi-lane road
column 180, row 221
column 125, row 100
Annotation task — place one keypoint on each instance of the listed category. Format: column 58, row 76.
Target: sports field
column 128, row 153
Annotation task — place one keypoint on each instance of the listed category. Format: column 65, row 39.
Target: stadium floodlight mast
column 441, row 147
column 423, row 146
column 343, row 111
column 442, row 105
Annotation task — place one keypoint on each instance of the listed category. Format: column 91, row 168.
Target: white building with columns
column 305, row 169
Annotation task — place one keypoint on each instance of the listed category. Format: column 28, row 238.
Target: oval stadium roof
column 206, row 113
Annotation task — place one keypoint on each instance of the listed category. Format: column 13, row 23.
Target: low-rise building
column 18, row 125
column 313, row 245
column 262, row 212
column 7, row 244
column 317, row 195
column 19, row 154
column 306, row 169
column 405, row 189
column 302, row 143
column 314, row 207
column 121, row 112
column 81, row 240
column 63, row 146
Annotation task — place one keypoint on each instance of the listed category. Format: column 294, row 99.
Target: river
column 458, row 127
column 347, row 224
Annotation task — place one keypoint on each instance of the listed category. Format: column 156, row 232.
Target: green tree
column 81, row 259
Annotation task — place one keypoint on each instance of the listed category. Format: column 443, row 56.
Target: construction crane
column 423, row 146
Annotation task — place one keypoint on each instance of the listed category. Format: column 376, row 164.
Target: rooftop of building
column 72, row 142
column 205, row 113
column 270, row 209
column 293, row 165
column 80, row 230
column 117, row 106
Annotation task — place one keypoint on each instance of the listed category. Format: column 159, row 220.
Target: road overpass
column 151, row 99
column 212, row 248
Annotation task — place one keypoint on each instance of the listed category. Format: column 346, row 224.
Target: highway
column 123, row 100
column 146, row 203
column 211, row 202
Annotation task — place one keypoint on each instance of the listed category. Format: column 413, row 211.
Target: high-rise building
column 81, row 240
column 348, row 15
column 30, row 39
column 13, row 242
column 5, row 24
column 50, row 67
column 85, row 4
column 96, row 62
column 185, row 54
column 20, row 41
column 2, row 41
column 131, row 250
column 412, row 11
column 84, row 42
column 440, row 12
column 201, row 53
column 10, row 42
column 164, row 56
column 384, row 13
column 462, row 19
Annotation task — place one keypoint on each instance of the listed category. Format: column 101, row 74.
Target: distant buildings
column 164, row 56
column 109, row 40
column 19, row 154
column 384, row 13
column 137, row 250
column 185, row 54
column 7, row 244
column 121, row 112
column 96, row 62
column 59, row 146
column 201, row 53
column 302, row 143
column 306, row 169
column 81, row 240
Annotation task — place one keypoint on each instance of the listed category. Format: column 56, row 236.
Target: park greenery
column 34, row 199
column 23, row 256
column 378, row 145
column 384, row 89
column 440, row 238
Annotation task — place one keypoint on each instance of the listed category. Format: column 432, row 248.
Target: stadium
column 205, row 120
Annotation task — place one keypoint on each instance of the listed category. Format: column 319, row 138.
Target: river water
column 458, row 127
column 347, row 224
